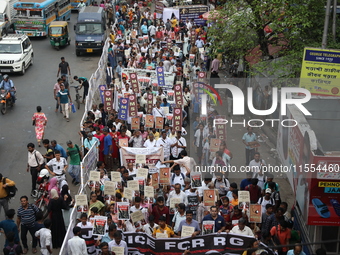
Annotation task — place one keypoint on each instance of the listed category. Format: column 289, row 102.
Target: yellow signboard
column 320, row 72
column 329, row 184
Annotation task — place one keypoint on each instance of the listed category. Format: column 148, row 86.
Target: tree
column 259, row 30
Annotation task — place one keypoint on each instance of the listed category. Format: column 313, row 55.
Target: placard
column 243, row 199
column 173, row 202
column 133, row 184
column 142, row 172
column 165, row 110
column 193, row 203
column 214, row 144
column 254, row 144
column 178, row 95
column 149, row 121
column 134, row 83
column 155, row 180
column 118, row 250
column 94, row 176
column 162, row 235
column 110, row 188
column 141, row 183
column 116, row 176
column 255, row 213
column 177, row 119
column 196, row 179
column 149, row 103
column 99, row 225
column 149, row 191
column 208, row 227
column 108, row 100
column 221, row 132
column 81, row 200
column 123, row 211
column 135, row 123
column 133, row 105
column 160, row 76
column 137, row 216
column 124, row 142
column 123, row 108
column 187, row 231
column 159, row 123
column 140, row 159
column 128, row 193
column 164, row 175
column 209, row 197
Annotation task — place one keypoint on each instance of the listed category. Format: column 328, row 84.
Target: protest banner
column 108, row 100
column 133, row 105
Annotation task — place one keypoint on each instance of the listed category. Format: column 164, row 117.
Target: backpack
column 174, row 175
column 11, row 190
column 279, row 200
column 12, row 250
column 272, row 201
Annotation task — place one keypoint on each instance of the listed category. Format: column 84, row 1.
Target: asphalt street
column 33, row 89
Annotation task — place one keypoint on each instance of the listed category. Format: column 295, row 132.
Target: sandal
column 34, row 250
column 25, row 251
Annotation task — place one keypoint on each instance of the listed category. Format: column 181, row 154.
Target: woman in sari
column 39, row 121
column 94, row 202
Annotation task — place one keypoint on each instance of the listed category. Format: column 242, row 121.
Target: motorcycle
column 5, row 100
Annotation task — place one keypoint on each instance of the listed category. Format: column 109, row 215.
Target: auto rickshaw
column 59, row 34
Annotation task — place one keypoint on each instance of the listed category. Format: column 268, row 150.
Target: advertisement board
column 320, row 71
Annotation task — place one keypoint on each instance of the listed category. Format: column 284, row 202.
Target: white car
column 16, row 53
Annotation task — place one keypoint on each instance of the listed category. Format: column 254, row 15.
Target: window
column 35, row 13
column 10, row 48
column 330, row 233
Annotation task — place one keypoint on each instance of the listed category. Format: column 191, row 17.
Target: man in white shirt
column 178, row 217
column 167, row 64
column 96, row 112
column 57, row 166
column 137, row 140
column 158, row 111
column 86, row 233
column 187, row 163
column 242, row 229
column 256, row 164
column 149, row 227
column 131, row 169
column 177, row 177
column 164, row 142
column 118, row 242
column 178, row 145
column 152, row 29
column 177, row 193
column 76, row 245
column 151, row 142
column 45, row 237
column 199, row 43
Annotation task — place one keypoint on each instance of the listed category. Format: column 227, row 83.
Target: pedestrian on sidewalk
column 63, row 96
column 247, row 138
column 34, row 163
column 45, row 237
column 26, row 221
column 39, row 121
column 75, row 158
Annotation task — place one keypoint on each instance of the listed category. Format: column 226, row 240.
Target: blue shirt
column 7, row 85
column 10, row 226
column 291, row 252
column 106, row 238
column 63, row 96
column 107, row 144
column 219, row 221
column 58, row 147
column 144, row 29
column 249, row 138
column 194, row 223
column 244, row 183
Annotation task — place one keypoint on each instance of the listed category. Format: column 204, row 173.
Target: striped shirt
column 27, row 216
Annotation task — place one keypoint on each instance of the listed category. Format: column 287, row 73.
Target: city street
column 33, row 89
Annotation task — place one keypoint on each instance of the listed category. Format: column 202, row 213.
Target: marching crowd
column 137, row 43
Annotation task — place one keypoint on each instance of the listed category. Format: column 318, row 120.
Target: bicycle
column 78, row 97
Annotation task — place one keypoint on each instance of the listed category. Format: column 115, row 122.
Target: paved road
column 33, row 89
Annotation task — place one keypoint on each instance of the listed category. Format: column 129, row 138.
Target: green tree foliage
column 239, row 29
